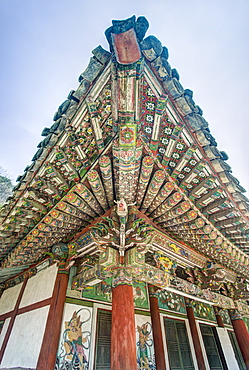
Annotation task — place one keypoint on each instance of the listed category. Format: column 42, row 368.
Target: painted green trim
column 173, row 313
column 140, row 312
column 62, row 272
column 79, row 302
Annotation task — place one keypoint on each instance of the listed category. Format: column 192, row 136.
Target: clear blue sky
column 45, row 45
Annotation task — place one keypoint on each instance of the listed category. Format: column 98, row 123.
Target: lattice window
column 179, row 352
column 103, row 340
column 213, row 349
column 236, row 350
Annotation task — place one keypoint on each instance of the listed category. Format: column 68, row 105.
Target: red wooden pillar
column 156, row 329
column 218, row 317
column 123, row 336
column 48, row 352
column 241, row 333
column 195, row 336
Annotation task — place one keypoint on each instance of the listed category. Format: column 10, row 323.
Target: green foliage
column 5, row 186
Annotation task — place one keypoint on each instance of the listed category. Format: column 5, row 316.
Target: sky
column 45, row 45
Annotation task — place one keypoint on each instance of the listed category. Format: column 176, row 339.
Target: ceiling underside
column 128, row 132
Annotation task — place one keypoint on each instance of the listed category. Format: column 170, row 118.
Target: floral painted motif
column 203, row 311
column 171, row 301
column 103, row 103
column 178, row 152
column 165, row 131
column 148, row 107
column 127, row 135
column 225, row 317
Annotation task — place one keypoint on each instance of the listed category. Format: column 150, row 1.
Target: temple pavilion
column 125, row 244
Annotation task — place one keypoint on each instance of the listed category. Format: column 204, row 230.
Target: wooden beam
column 88, row 227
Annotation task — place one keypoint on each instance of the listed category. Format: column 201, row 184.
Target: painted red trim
column 12, row 320
column 35, row 306
column 4, row 316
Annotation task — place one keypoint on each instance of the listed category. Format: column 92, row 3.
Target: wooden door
column 179, row 352
column 213, row 349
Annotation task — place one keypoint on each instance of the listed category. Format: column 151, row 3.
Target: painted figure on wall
column 145, row 358
column 139, row 294
column 72, row 351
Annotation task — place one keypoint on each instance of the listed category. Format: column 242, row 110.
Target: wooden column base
column 123, row 336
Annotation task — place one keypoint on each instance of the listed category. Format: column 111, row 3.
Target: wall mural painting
column 101, row 291
column 75, row 343
column 145, row 347
column 171, row 301
column 246, row 321
column 140, row 294
column 203, row 311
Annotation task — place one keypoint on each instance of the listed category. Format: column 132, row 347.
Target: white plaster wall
column 4, row 329
column 9, row 298
column 40, row 286
column 227, row 349
column 25, row 340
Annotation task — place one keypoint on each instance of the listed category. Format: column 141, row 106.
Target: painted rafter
column 175, row 164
